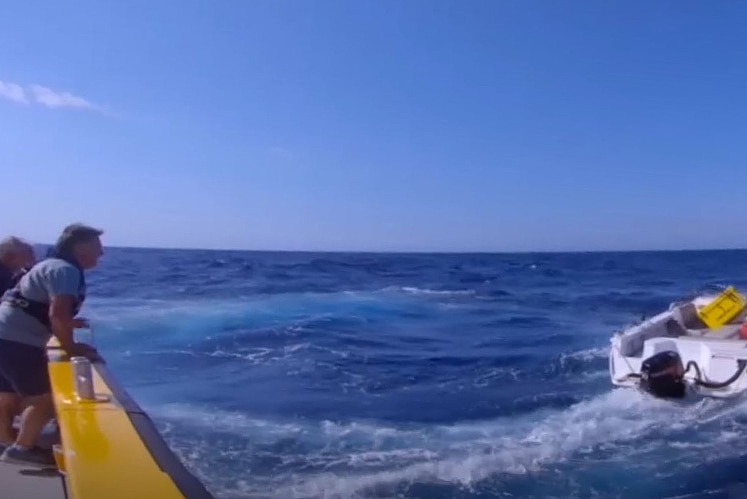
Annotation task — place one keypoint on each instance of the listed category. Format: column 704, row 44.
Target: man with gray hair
column 16, row 256
column 45, row 302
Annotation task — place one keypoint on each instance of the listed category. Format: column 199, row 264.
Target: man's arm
column 62, row 321
column 62, row 285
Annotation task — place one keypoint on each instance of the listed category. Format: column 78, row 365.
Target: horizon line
column 418, row 252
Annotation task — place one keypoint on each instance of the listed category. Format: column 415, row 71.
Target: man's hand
column 83, row 350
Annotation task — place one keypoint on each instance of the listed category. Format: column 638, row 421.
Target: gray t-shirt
column 46, row 279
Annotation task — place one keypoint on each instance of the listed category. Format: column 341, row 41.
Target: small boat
column 697, row 346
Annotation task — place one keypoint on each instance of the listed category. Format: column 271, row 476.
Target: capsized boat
column 698, row 345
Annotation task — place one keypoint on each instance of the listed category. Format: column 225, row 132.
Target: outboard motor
column 662, row 375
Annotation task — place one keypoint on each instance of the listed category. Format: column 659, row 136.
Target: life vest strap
column 38, row 310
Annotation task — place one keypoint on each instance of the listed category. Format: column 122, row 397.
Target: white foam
column 186, row 316
column 495, row 375
column 362, row 455
column 252, row 355
column 224, row 421
column 507, row 447
column 587, row 354
column 436, row 292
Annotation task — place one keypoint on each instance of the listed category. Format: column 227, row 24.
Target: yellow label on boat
column 724, row 308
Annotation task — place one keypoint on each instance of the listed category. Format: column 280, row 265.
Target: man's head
column 82, row 243
column 16, row 254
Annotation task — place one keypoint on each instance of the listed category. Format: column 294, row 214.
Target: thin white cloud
column 56, row 99
column 45, row 96
column 13, row 92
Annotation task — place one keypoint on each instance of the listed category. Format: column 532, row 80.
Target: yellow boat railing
column 110, row 447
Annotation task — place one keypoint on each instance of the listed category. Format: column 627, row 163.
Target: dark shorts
column 23, row 369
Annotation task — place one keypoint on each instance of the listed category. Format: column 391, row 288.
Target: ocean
column 300, row 375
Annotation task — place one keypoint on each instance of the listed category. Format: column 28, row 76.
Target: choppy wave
column 365, row 459
column 411, row 376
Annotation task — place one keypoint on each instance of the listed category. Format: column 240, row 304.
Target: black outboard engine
column 662, row 375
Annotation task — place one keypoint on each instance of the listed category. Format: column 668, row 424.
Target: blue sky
column 377, row 125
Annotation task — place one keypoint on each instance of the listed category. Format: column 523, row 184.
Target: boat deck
column 20, row 482
column 108, row 448
column 25, row 482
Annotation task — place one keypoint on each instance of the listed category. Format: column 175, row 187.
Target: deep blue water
column 412, row 376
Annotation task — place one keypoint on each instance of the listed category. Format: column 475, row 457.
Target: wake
column 342, row 460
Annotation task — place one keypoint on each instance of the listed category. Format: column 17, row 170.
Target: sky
column 416, row 125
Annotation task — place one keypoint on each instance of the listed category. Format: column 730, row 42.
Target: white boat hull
column 714, row 360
